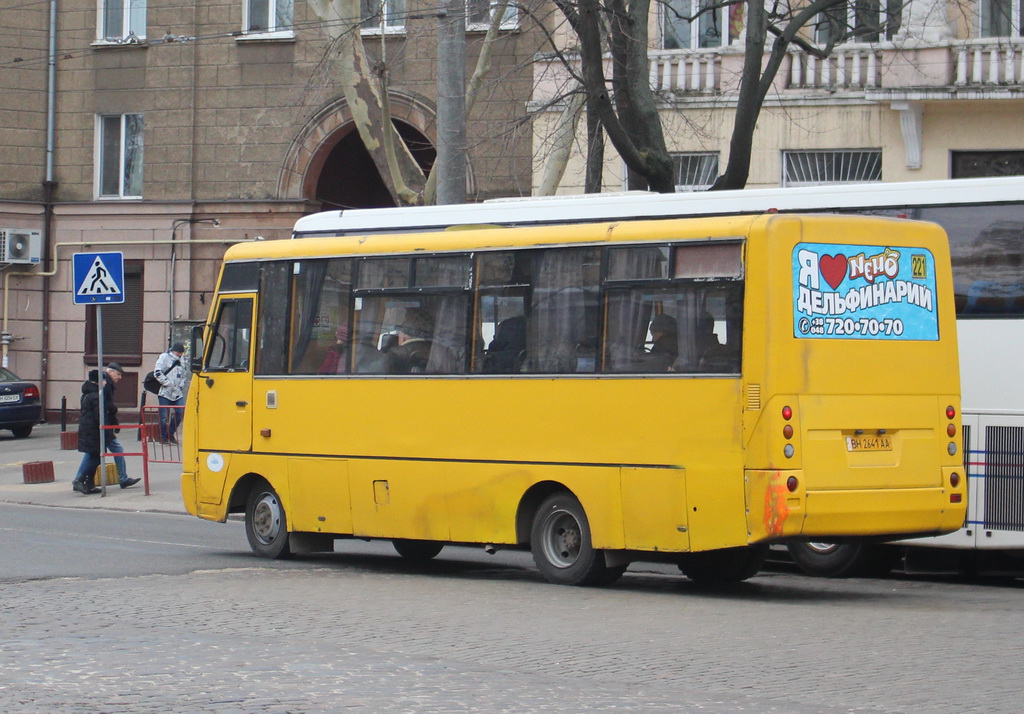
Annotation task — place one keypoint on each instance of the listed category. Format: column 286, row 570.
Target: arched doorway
column 327, row 160
column 348, row 177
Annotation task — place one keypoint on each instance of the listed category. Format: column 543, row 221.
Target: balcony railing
column 849, row 67
column 685, row 70
column 991, row 64
column 989, row 61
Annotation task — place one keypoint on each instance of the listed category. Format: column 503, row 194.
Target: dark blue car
column 20, row 407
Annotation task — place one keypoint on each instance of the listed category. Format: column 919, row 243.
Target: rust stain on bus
column 776, row 509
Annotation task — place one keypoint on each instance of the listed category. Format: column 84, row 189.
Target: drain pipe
column 48, row 190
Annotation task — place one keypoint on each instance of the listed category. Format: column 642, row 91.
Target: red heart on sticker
column 833, row 269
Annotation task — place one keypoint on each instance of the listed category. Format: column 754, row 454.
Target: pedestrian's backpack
column 151, row 384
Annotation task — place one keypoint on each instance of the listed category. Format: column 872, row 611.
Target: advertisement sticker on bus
column 864, row 292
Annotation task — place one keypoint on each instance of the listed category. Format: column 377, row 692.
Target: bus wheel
column 266, row 525
column 843, row 560
column 728, row 565
column 417, row 549
column 560, row 541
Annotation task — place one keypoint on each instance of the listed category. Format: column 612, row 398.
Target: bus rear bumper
column 924, row 511
column 774, row 512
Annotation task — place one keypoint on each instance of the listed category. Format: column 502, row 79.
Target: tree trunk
column 397, row 167
column 561, row 145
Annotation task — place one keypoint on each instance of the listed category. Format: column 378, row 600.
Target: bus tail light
column 792, row 484
column 956, row 497
column 787, row 413
column 954, row 479
column 950, row 412
column 951, row 430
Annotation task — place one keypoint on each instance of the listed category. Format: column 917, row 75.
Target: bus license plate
column 869, row 443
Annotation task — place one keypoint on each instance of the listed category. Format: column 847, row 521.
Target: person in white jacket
column 170, row 372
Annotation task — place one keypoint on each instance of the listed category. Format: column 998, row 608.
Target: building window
column 859, row 21
column 1000, row 18
column 979, row 164
column 122, row 20
column 383, row 15
column 119, row 156
column 695, row 171
column 480, row 14
column 693, row 24
column 816, row 168
column 268, row 15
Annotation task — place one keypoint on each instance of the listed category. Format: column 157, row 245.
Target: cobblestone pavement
column 340, row 636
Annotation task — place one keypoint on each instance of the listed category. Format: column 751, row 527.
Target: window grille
column 815, row 168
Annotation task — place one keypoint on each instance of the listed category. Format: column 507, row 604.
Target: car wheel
column 560, row 541
column 266, row 524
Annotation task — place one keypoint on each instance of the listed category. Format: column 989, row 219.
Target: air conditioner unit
column 20, row 246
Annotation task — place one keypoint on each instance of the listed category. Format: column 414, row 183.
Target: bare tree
column 626, row 106
column 629, row 114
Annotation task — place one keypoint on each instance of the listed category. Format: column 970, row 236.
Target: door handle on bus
column 241, row 404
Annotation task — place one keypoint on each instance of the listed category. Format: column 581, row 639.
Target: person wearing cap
column 411, row 354
column 665, row 345
column 170, row 372
column 89, row 442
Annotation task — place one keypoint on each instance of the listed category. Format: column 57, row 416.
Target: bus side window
column 229, row 348
column 562, row 324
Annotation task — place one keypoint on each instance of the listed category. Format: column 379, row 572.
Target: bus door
column 225, row 384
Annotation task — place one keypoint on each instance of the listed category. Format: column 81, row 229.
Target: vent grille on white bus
column 1004, row 478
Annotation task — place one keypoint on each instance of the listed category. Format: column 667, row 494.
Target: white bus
column 984, row 219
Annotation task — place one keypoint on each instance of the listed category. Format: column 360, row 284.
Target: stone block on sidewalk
column 37, row 472
column 69, row 440
column 111, row 475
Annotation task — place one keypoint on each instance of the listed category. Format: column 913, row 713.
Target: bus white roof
column 614, row 206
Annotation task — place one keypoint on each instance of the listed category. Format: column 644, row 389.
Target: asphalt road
column 108, row 611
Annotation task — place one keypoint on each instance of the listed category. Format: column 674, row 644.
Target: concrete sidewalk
column 44, row 445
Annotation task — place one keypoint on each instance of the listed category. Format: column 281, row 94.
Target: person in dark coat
column 88, row 435
column 89, row 430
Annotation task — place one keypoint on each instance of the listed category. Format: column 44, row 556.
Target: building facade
column 167, row 132
column 934, row 92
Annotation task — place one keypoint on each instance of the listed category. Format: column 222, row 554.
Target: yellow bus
column 683, row 390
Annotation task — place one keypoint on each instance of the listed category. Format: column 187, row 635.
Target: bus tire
column 560, row 541
column 417, row 549
column 266, row 524
column 727, row 565
column 843, row 560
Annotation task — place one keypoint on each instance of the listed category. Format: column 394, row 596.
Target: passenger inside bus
column 507, row 351
column 412, row 352
column 665, row 343
column 336, row 359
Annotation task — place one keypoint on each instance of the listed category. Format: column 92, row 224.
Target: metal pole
column 100, row 378
column 451, row 103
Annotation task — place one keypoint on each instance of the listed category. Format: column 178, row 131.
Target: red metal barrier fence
column 153, row 449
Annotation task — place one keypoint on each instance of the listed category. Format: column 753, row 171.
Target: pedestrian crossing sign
column 98, row 278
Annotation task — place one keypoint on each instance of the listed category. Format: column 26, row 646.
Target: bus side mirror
column 196, row 348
